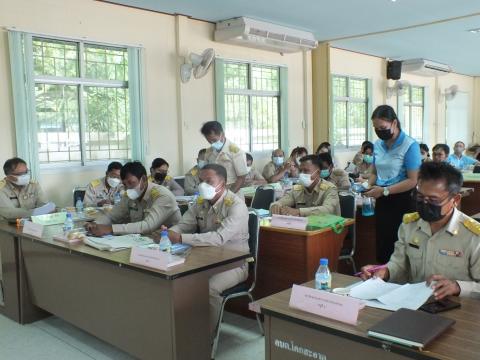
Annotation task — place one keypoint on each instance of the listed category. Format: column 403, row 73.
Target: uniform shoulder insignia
column 154, row 193
column 228, row 201
column 325, row 185
column 472, row 225
column 410, row 217
column 150, row 178
column 95, row 182
column 233, row 148
column 297, row 187
column 33, row 181
column 168, row 178
column 194, row 172
column 200, row 200
column 2, row 183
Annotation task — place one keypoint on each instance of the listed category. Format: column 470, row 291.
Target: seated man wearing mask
column 144, row 207
column 102, row 191
column 314, row 196
column 440, row 152
column 337, row 177
column 438, row 243
column 253, row 177
column 458, row 160
column 158, row 175
column 19, row 195
column 363, row 161
column 219, row 218
column 192, row 177
column 275, row 170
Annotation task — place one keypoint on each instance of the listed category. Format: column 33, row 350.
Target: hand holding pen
column 368, row 271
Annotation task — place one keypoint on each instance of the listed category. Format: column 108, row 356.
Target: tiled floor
column 53, row 338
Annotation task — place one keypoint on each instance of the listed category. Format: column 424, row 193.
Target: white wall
column 174, row 111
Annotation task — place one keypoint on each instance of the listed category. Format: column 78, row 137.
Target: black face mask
column 160, row 177
column 384, row 134
column 429, row 212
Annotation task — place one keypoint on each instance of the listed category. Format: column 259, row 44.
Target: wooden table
column 289, row 331
column 471, row 205
column 9, row 267
column 148, row 313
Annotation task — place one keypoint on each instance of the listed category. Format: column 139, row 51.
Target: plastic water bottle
column 79, row 205
column 165, row 243
column 194, row 199
column 323, row 278
column 68, row 224
column 117, row 198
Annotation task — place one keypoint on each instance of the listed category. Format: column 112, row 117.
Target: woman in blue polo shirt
column 396, row 163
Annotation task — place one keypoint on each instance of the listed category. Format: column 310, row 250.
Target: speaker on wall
column 394, row 70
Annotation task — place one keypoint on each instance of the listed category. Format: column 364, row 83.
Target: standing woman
column 396, row 163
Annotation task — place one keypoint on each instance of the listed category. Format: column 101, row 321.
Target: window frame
column 408, row 105
column 347, row 99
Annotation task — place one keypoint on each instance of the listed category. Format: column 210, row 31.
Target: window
column 413, row 112
column 252, row 105
column 350, row 111
column 81, row 101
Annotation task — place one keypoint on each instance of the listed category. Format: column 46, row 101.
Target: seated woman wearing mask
column 295, row 156
column 337, row 177
column 425, row 152
column 158, row 175
column 312, row 196
column 363, row 161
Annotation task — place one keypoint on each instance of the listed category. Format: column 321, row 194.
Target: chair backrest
column 347, row 204
column 180, row 181
column 263, row 198
column 78, row 192
column 253, row 232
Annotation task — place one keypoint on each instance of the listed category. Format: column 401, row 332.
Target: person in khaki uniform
column 275, row 170
column 363, row 161
column 19, row 195
column 225, row 153
column 102, row 191
column 337, row 177
column 312, row 196
column 438, row 243
column 158, row 175
column 144, row 207
column 253, row 177
column 219, row 218
column 192, row 177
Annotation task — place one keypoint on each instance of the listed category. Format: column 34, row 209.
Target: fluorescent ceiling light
column 474, row 31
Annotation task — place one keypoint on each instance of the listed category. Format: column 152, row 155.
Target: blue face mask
column 217, row 145
column 368, row 159
column 325, row 173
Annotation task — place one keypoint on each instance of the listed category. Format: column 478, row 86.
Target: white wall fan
column 197, row 64
column 399, row 88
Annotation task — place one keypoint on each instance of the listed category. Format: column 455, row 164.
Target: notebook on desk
column 412, row 328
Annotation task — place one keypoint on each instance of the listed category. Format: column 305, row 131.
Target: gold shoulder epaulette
column 2, row 183
column 154, row 193
column 325, row 185
column 472, row 225
column 297, row 187
column 200, row 200
column 168, row 178
column 150, row 178
column 228, row 201
column 194, row 172
column 410, row 217
column 234, row 148
column 96, row 182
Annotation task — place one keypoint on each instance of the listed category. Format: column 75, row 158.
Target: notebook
column 412, row 328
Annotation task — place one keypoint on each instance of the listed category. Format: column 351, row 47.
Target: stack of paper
column 116, row 243
column 184, row 198
column 379, row 294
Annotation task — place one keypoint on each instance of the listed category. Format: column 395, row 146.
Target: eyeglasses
column 421, row 198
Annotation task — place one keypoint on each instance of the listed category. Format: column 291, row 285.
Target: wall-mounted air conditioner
column 263, row 35
column 425, row 67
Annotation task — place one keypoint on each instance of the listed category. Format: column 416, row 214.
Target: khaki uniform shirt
column 170, row 184
column 322, row 200
column 98, row 191
column 192, row 180
column 363, row 169
column 18, row 202
column 453, row 251
column 224, row 223
column 157, row 207
column 253, row 175
column 231, row 157
column 339, row 178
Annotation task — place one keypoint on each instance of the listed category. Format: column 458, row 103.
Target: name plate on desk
column 154, row 258
column 323, row 303
column 33, row 229
column 290, row 222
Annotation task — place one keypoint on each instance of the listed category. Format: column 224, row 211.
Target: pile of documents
column 117, row 243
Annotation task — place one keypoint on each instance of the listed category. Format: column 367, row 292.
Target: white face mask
column 22, row 180
column 206, row 191
column 201, row 163
column 217, row 145
column 278, row 160
column 134, row 194
column 306, row 179
column 113, row 182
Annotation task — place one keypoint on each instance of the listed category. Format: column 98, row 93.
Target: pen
column 373, row 269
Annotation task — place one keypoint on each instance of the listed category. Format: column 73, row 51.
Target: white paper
column 184, row 198
column 45, row 209
column 33, row 229
column 116, row 243
column 372, row 289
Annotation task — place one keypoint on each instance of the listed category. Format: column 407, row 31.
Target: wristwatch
column 386, row 192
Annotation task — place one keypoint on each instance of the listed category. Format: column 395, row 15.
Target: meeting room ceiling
column 432, row 29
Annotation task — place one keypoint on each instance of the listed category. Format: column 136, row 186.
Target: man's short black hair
column 219, row 170
column 156, row 163
column 324, row 144
column 424, row 147
column 114, row 165
column 11, row 164
column 313, row 158
column 367, row 145
column 202, row 152
column 211, row 127
column 459, row 142
column 442, row 171
column 249, row 157
column 325, row 158
column 444, row 147
column 134, row 168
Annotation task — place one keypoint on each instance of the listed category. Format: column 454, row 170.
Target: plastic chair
column 78, row 192
column 263, row 198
